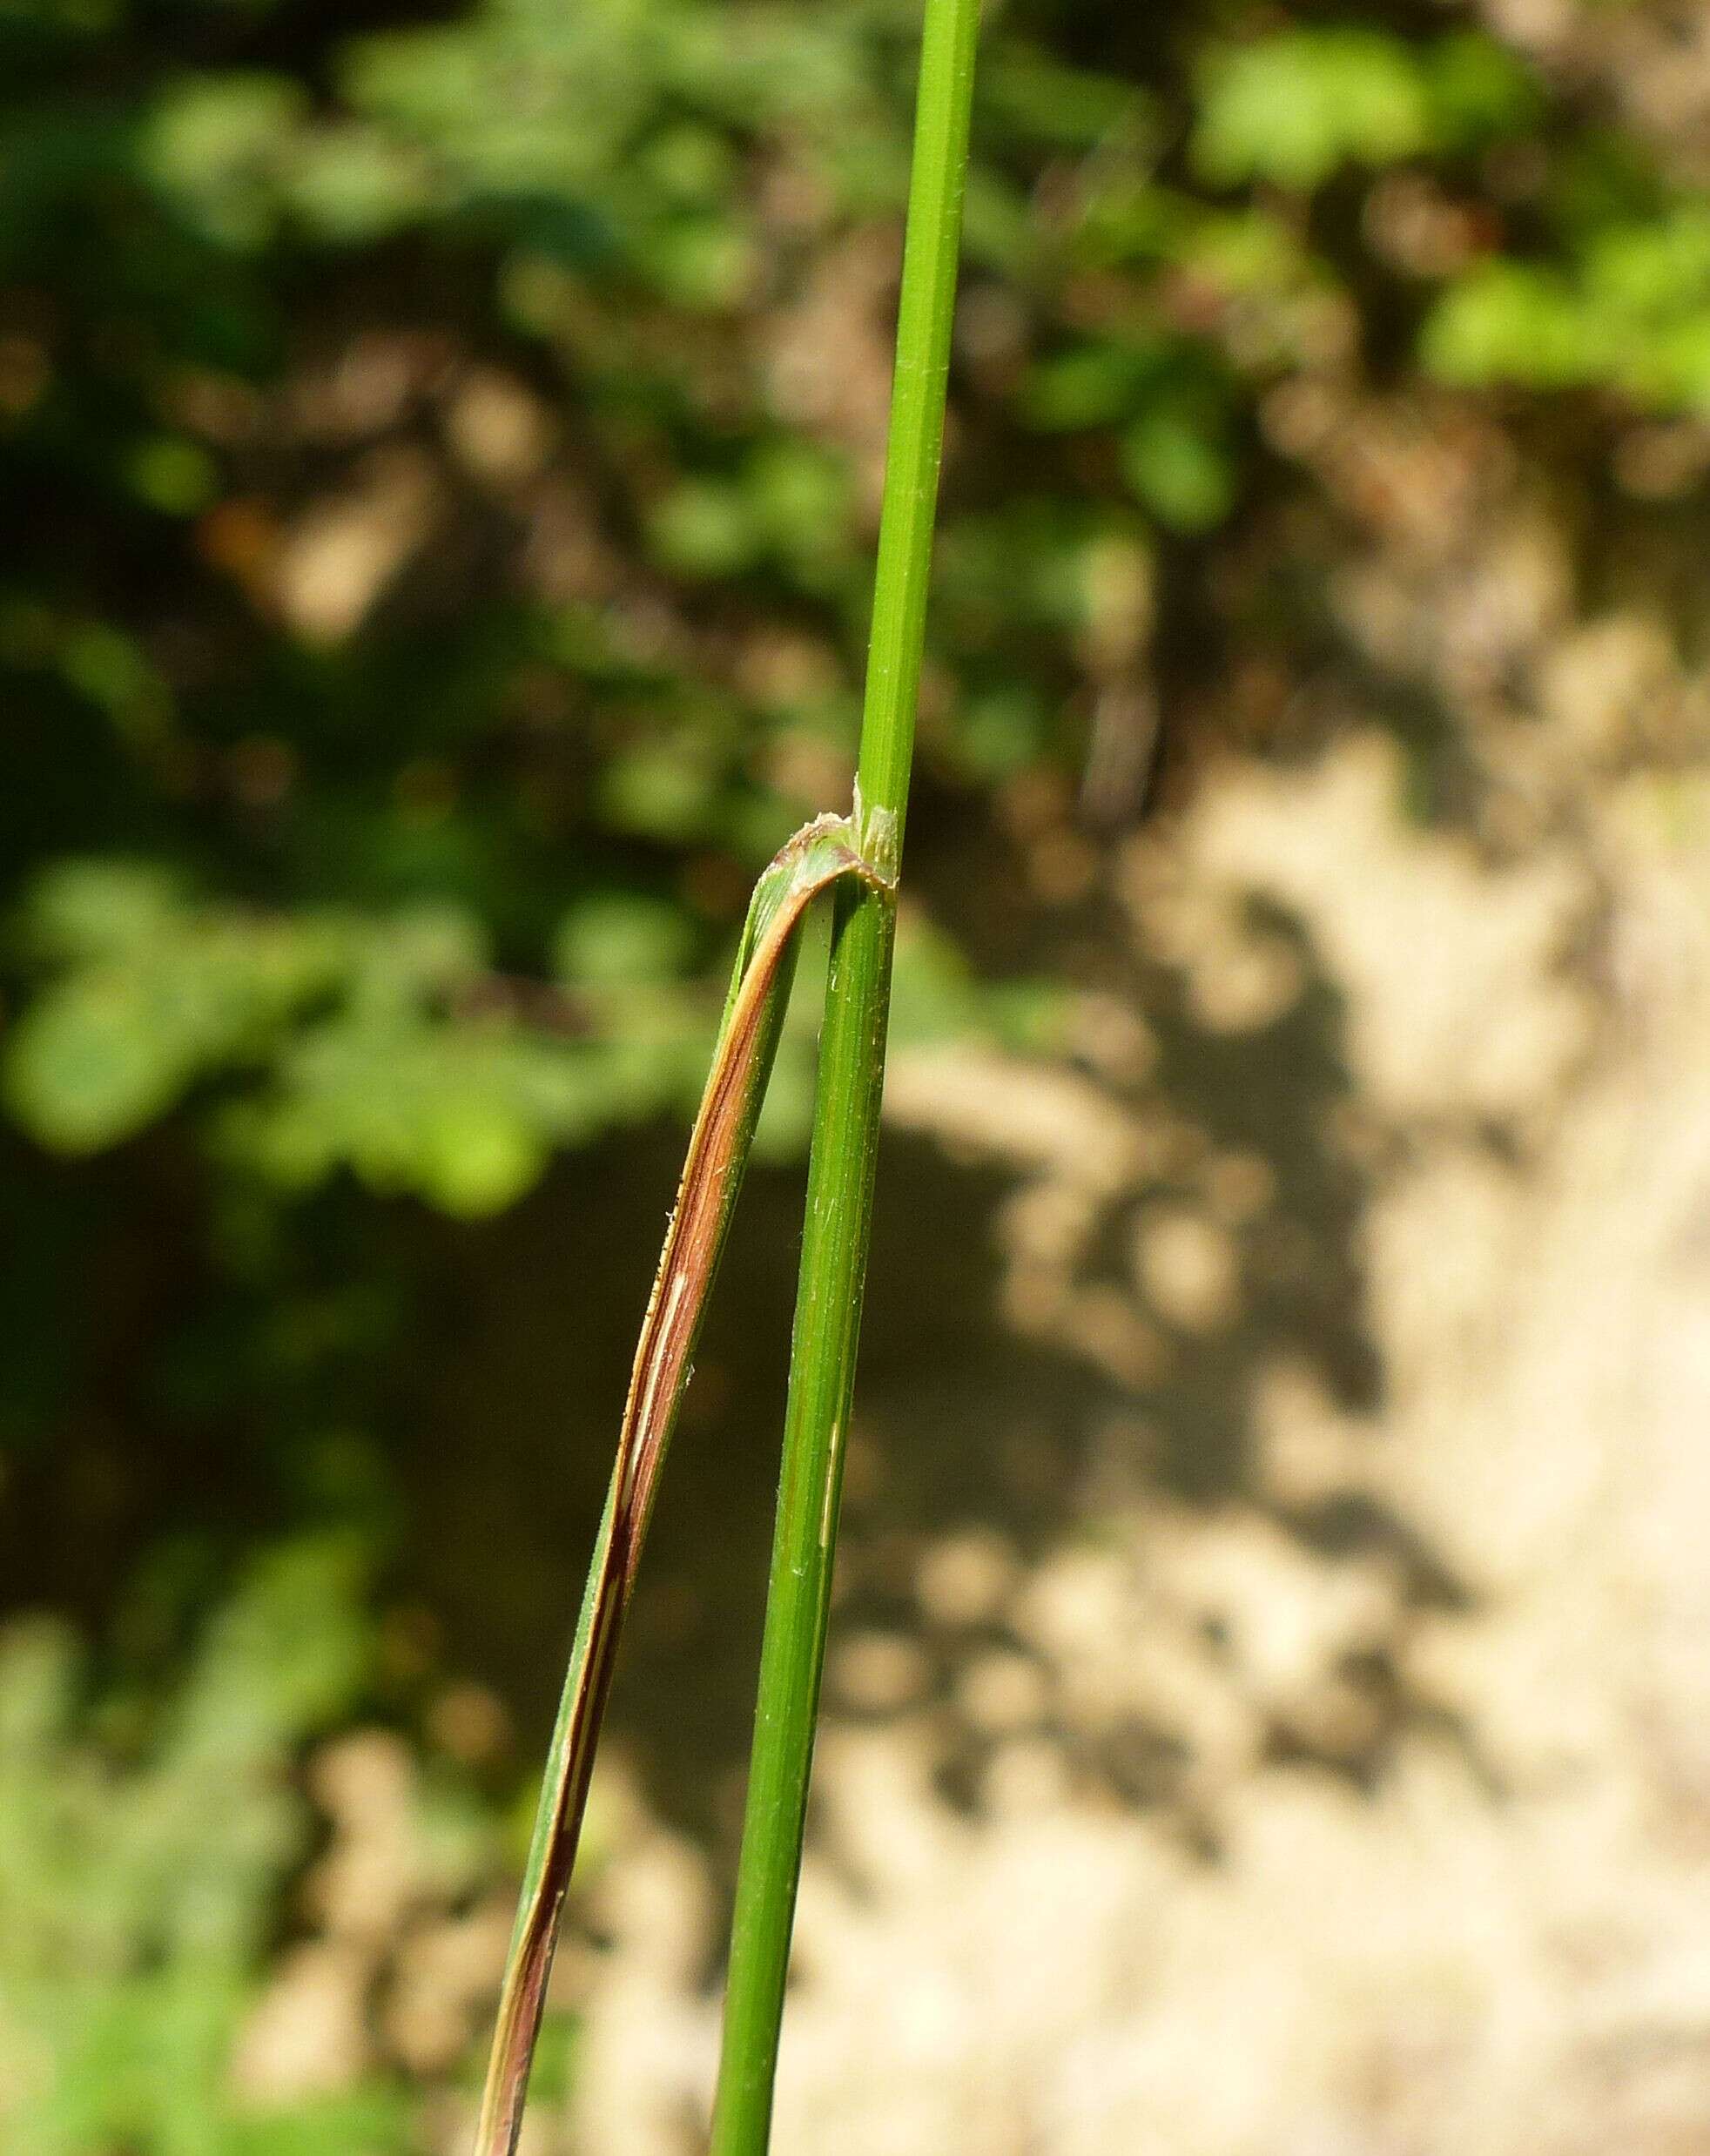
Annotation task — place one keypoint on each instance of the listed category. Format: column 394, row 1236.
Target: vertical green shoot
column 845, row 1135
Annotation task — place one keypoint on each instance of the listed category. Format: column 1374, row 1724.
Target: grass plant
column 861, row 857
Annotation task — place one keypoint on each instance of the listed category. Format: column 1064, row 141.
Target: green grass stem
column 845, row 1132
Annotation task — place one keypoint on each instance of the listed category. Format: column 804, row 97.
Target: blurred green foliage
column 438, row 445
column 1294, row 106
column 141, row 1855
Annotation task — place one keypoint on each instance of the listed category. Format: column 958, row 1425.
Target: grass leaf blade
column 816, row 858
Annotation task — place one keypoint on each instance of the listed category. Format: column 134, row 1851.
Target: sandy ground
column 1333, row 1778
column 1269, row 1704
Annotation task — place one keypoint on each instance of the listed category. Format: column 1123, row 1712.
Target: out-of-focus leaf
column 1294, row 106
column 1177, row 462
column 116, row 1042
column 215, row 147
column 1506, row 322
column 1633, row 313
column 615, row 939
column 137, row 1894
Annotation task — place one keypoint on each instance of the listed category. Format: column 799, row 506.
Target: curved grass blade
column 815, row 859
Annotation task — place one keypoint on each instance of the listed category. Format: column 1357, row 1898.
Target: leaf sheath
column 718, row 1148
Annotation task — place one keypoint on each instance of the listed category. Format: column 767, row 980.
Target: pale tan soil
column 1334, row 1779
column 1269, row 1706
column 1448, row 1881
